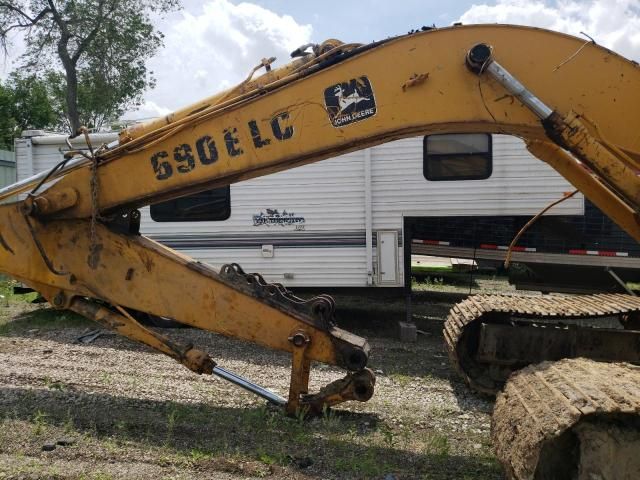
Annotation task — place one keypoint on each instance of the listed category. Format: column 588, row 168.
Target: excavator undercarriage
column 553, row 417
column 489, row 337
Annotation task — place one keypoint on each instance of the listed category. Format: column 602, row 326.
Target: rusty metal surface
column 195, row 360
column 355, row 386
column 463, row 331
column 319, row 310
column 537, row 419
column 58, row 259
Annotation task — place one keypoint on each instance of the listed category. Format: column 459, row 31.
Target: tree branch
column 32, row 21
column 92, row 34
column 85, row 43
column 58, row 19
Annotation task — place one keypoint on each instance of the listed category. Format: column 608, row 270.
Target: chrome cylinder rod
column 249, row 386
column 480, row 60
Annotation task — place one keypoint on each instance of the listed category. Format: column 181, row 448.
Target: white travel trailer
column 342, row 222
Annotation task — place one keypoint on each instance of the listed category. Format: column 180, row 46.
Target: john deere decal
column 350, row 102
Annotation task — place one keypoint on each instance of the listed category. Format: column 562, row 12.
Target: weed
column 111, row 445
column 54, row 385
column 134, row 381
column 172, row 417
column 437, row 445
column 330, row 421
column 301, row 414
column 197, row 455
column 440, row 412
column 39, row 422
column 69, row 424
column 401, row 379
column 267, row 459
column 121, row 426
column 101, row 476
column 388, row 436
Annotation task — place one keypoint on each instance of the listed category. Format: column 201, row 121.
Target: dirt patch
column 133, row 413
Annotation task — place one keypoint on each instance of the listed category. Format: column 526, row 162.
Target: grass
column 436, row 444
column 249, row 441
column 42, row 319
column 401, row 379
column 39, row 422
column 8, row 296
column 18, row 314
column 424, row 269
column 54, row 385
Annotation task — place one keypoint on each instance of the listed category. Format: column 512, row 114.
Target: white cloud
column 211, row 46
column 149, row 109
column 614, row 24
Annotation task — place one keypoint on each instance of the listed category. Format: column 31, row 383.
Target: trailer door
column 387, row 243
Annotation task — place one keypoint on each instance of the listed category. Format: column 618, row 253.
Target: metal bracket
column 300, row 367
column 618, row 280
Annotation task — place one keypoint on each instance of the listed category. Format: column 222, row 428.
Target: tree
column 26, row 102
column 99, row 47
column 7, row 122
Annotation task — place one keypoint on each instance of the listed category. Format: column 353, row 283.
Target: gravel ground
column 128, row 412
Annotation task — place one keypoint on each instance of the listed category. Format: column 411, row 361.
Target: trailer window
column 210, row 205
column 466, row 156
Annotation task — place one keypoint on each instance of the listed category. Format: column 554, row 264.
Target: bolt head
column 299, row 339
column 58, row 300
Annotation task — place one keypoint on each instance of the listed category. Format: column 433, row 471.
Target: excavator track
column 491, row 336
column 574, row 418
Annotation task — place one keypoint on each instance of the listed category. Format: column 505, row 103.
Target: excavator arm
column 76, row 240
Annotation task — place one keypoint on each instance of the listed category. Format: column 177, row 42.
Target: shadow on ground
column 349, row 446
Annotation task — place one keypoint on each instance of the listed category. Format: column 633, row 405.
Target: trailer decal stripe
column 600, row 253
column 431, row 242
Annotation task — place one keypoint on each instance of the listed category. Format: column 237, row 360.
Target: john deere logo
column 350, row 102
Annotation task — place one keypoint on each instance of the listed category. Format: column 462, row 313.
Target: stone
column 48, row 447
column 407, row 332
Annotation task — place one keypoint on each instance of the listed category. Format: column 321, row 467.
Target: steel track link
column 574, row 418
column 463, row 325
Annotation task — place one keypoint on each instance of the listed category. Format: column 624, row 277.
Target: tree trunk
column 72, row 99
column 72, row 84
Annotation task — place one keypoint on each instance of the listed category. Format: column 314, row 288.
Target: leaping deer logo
column 350, row 101
column 347, row 100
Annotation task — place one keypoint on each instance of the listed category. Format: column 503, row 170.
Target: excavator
column 565, row 364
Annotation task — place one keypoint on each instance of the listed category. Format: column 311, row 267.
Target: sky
column 211, row 45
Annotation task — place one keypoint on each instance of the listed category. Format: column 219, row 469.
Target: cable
column 507, row 259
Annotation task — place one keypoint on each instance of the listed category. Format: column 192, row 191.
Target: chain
column 94, row 203
column 95, row 190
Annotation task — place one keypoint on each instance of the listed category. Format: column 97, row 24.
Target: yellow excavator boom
column 575, row 103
